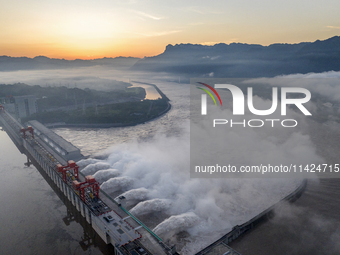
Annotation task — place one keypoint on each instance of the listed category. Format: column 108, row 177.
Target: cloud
column 155, row 34
column 144, row 14
column 203, row 10
column 192, row 9
column 324, row 84
column 333, row 27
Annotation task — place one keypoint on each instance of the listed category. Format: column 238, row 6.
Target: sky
column 89, row 29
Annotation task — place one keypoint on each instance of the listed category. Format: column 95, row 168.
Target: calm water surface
column 33, row 219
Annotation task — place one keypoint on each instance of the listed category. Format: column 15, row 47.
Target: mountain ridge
column 219, row 60
column 245, row 60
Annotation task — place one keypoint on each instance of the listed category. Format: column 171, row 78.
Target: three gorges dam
column 114, row 224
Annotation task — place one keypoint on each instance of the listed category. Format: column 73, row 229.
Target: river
column 32, row 216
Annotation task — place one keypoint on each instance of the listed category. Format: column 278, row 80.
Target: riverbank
column 104, row 125
column 144, row 113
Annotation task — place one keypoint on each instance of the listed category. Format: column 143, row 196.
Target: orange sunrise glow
column 87, row 29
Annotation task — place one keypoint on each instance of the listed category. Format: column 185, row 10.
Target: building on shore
column 20, row 106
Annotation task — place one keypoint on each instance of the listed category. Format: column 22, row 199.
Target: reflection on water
column 33, row 220
column 151, row 92
column 89, row 238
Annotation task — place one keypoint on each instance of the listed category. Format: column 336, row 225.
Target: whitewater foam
column 104, row 175
column 149, row 206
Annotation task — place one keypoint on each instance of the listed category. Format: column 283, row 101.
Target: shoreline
column 114, row 125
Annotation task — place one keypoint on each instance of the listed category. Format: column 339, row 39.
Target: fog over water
column 149, row 164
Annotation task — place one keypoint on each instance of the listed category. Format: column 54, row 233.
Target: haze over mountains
column 220, row 60
column 41, row 62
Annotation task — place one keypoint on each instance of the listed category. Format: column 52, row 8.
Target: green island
column 121, row 105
